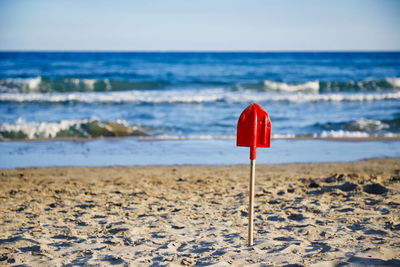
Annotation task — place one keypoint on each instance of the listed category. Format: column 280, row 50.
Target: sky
column 206, row 25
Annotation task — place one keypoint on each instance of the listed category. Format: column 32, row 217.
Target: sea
column 167, row 108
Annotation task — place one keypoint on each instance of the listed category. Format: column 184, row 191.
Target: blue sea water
column 182, row 108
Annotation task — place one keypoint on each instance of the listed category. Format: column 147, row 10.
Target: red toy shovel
column 253, row 130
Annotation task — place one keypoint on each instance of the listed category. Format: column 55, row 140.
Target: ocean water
column 182, row 108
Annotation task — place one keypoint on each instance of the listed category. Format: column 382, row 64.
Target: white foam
column 391, row 135
column 38, row 129
column 166, row 137
column 74, row 84
column 342, row 134
column 17, row 84
column 34, row 83
column 193, row 96
column 395, row 82
column 108, row 84
column 154, row 96
column 285, row 87
column 312, row 97
column 205, row 137
column 35, row 130
column 283, row 136
column 89, row 84
column 369, row 125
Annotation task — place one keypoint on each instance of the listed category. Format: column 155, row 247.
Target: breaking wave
column 360, row 86
column 360, row 128
column 40, row 84
column 193, row 96
column 94, row 128
column 67, row 129
column 51, row 85
column 388, row 84
column 286, row 87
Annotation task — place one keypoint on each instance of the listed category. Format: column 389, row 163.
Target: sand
column 305, row 214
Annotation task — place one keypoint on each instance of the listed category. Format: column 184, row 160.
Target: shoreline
column 318, row 213
column 131, row 152
column 201, row 166
column 179, row 138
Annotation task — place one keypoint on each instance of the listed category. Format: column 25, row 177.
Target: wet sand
column 325, row 214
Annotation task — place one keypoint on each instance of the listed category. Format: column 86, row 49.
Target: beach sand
column 324, row 214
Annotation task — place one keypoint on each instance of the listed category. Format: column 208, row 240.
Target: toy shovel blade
column 254, row 129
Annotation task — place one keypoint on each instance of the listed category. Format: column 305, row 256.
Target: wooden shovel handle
column 251, row 199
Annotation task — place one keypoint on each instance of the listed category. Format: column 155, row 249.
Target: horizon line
column 197, row 51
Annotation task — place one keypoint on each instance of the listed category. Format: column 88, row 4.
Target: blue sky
column 182, row 25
